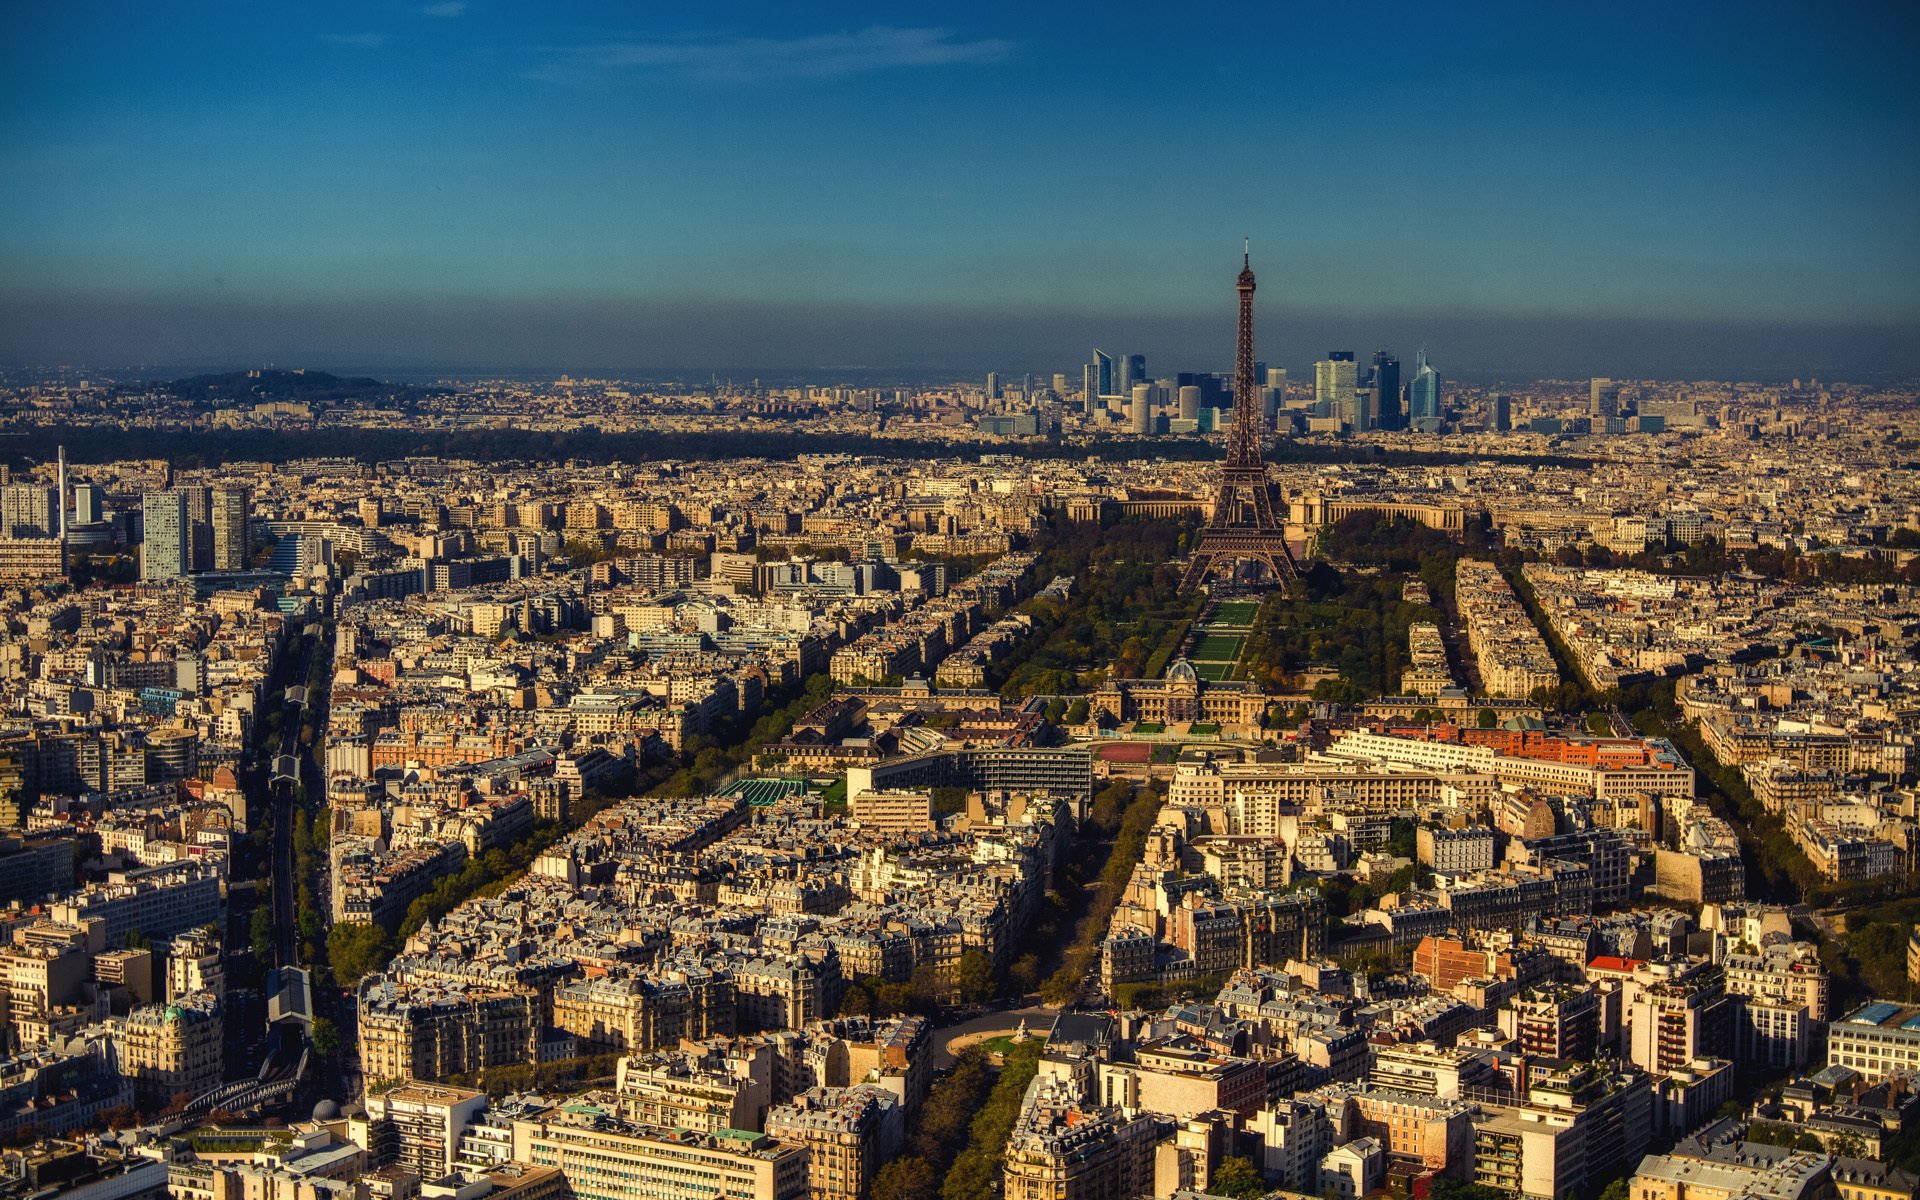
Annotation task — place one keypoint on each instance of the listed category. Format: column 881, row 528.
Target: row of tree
column 957, row 1143
column 1125, row 815
column 1126, row 600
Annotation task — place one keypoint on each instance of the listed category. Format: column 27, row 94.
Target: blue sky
column 637, row 186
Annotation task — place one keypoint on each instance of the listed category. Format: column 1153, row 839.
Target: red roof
column 1609, row 962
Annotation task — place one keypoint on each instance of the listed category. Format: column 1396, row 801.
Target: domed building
column 1183, row 697
column 171, row 1049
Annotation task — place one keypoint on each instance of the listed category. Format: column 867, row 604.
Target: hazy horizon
column 159, row 339
column 1525, row 190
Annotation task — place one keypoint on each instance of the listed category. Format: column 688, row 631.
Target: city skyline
column 471, row 188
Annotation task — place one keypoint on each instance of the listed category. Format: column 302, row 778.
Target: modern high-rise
column 28, row 510
column 1603, row 398
column 87, row 506
column 1133, row 369
column 199, row 526
column 993, row 385
column 1103, row 373
column 419, row 1125
column 1502, row 413
column 1089, row 390
column 1142, row 410
column 1423, row 391
column 1386, row 387
column 228, row 517
column 1335, row 380
column 167, row 552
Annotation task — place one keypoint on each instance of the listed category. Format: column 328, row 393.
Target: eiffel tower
column 1243, row 528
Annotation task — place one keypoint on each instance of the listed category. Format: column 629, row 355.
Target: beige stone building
column 171, row 1050
column 429, row 1033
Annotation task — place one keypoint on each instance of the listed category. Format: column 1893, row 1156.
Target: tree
column 326, row 1038
column 1598, row 725
column 1453, row 1189
column 1236, row 1179
column 975, row 978
column 260, row 934
column 1486, row 718
column 910, row 1178
column 1024, row 974
column 357, row 951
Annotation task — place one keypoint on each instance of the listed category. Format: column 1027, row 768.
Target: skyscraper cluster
column 1374, row 397
column 1187, row 402
column 193, row 529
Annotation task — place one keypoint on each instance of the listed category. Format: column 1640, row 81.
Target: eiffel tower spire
column 1243, row 527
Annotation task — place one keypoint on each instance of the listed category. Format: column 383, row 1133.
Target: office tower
column 1142, row 410
column 28, row 510
column 1423, row 392
column 87, row 508
column 1059, row 383
column 993, row 385
column 1361, row 415
column 1502, row 413
column 229, row 520
column 60, row 494
column 1103, row 373
column 1136, row 367
column 1335, row 379
column 1189, row 403
column 167, row 550
column 200, row 526
column 1276, row 396
column 1603, row 398
column 1386, row 387
column 1089, row 390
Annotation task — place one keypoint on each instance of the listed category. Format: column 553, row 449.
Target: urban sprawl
column 412, row 816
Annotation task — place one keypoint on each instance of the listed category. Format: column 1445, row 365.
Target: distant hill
column 312, row 387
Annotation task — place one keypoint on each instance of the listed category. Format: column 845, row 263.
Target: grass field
column 1213, row 672
column 1236, row 612
column 1149, row 727
column 1218, row 648
column 1203, row 729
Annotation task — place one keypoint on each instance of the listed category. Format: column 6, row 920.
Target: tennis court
column 764, row 793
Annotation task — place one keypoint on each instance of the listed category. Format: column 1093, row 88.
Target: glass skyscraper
column 1103, row 372
column 1386, row 388
column 1423, row 394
